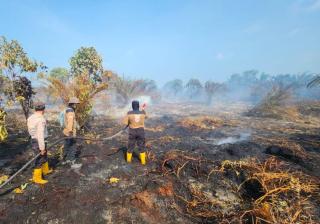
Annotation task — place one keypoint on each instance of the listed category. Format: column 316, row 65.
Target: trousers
column 136, row 137
column 42, row 158
column 70, row 151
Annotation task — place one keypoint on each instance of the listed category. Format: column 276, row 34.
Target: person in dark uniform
column 135, row 120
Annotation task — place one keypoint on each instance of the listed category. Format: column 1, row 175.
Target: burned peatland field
column 206, row 164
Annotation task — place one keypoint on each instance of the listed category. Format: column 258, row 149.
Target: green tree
column 87, row 61
column 59, row 73
column 14, row 64
column 24, row 93
column 85, row 80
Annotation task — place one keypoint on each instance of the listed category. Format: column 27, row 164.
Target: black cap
column 38, row 106
column 135, row 105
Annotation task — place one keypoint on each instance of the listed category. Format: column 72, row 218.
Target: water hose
column 55, row 143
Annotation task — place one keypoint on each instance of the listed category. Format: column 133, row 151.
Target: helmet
column 74, row 100
column 39, row 106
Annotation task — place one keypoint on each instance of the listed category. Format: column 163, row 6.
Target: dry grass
column 180, row 159
column 291, row 147
column 285, row 196
column 200, row 205
column 151, row 156
column 278, row 96
column 202, row 122
column 290, row 113
column 159, row 128
column 276, row 104
column 311, row 108
column 163, row 140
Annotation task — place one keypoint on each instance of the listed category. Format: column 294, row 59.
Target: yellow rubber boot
column 143, row 158
column 45, row 169
column 37, row 176
column 129, row 157
column 3, row 133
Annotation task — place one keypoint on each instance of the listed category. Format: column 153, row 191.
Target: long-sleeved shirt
column 37, row 128
column 135, row 119
column 70, row 124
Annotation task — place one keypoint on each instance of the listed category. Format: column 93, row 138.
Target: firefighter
column 37, row 128
column 3, row 130
column 135, row 120
column 70, row 130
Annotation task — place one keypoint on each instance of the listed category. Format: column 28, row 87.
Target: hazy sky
column 166, row 39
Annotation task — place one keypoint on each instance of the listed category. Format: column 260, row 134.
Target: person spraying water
column 135, row 120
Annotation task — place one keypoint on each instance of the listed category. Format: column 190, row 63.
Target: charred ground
column 206, row 165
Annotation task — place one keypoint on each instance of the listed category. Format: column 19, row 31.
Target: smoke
column 118, row 110
column 144, row 99
column 233, row 137
column 232, row 140
column 249, row 86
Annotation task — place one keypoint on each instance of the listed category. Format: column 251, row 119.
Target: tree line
column 87, row 77
column 249, row 85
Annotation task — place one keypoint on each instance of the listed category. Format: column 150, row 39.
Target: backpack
column 61, row 118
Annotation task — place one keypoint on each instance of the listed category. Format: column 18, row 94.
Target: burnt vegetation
column 242, row 151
